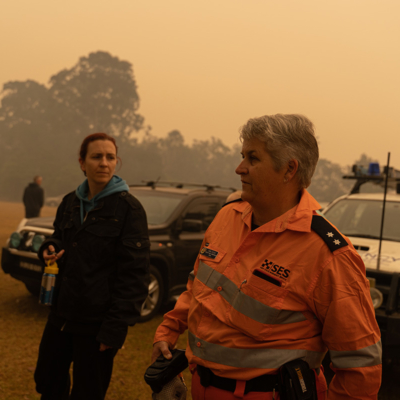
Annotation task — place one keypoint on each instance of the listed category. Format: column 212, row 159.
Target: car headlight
column 37, row 242
column 376, row 296
column 15, row 240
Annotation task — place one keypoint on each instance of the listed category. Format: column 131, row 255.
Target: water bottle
column 48, row 283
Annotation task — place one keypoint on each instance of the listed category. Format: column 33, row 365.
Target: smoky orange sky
column 205, row 67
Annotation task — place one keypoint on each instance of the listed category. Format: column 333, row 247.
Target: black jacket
column 104, row 273
column 33, row 200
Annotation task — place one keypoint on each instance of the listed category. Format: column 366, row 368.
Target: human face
column 100, row 162
column 261, row 183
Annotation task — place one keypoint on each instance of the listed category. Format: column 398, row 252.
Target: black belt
column 263, row 383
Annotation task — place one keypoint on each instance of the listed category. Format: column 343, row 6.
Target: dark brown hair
column 91, row 138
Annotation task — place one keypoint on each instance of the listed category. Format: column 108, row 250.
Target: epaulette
column 70, row 198
column 233, row 201
column 131, row 200
column 328, row 233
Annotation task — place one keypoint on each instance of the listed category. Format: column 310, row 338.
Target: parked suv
column 178, row 216
column 359, row 216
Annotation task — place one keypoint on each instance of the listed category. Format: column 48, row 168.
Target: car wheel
column 156, row 294
column 33, row 288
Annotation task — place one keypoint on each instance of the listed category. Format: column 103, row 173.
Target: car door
column 187, row 243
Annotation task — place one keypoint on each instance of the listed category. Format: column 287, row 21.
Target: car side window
column 203, row 209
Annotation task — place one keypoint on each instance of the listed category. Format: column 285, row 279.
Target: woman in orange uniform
column 275, row 282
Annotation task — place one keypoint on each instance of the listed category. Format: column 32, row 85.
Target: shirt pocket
column 209, row 269
column 105, row 228
column 66, row 227
column 211, row 254
column 256, row 309
column 66, row 221
column 101, row 238
column 139, row 243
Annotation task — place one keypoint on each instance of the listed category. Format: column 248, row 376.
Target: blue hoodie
column 115, row 185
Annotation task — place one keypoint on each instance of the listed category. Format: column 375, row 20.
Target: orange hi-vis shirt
column 292, row 288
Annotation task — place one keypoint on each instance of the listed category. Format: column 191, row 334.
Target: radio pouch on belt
column 163, row 370
column 297, row 381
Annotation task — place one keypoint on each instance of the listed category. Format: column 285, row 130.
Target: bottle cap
column 52, row 268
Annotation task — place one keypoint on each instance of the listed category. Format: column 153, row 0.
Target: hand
column 104, row 347
column 160, row 348
column 49, row 254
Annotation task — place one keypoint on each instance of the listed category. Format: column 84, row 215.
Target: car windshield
column 362, row 218
column 158, row 206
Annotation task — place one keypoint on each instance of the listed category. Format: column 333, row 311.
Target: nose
column 104, row 161
column 241, row 168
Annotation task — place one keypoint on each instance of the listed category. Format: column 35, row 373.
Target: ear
column 82, row 164
column 291, row 169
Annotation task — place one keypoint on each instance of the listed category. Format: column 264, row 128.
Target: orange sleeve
column 175, row 321
column 343, row 304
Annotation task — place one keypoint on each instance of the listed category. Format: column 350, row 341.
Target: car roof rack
column 180, row 185
column 374, row 174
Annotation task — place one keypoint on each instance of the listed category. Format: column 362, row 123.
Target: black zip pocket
column 266, row 277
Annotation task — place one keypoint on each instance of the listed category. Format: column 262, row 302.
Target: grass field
column 22, row 321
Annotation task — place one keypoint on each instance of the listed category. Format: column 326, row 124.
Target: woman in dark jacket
column 101, row 246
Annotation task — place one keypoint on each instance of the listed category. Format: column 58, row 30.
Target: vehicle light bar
column 373, row 174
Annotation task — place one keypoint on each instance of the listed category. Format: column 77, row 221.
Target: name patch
column 209, row 253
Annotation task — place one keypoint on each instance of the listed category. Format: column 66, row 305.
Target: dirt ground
column 22, row 321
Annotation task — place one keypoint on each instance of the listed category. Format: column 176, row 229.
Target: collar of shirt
column 297, row 218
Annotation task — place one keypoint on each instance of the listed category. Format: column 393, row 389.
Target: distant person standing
column 33, row 198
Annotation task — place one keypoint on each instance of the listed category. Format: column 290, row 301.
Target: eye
column 252, row 159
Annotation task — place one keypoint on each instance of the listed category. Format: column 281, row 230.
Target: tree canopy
column 100, row 94
column 42, row 126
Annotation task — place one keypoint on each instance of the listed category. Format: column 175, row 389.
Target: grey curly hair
column 286, row 137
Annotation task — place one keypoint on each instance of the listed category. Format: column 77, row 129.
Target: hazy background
column 204, row 68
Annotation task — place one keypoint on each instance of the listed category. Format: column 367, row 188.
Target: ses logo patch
column 275, row 269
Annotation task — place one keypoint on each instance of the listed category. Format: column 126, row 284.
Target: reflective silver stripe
column 366, row 357
column 250, row 358
column 191, row 276
column 243, row 303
